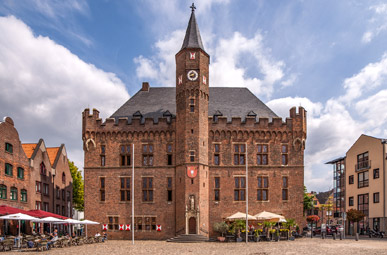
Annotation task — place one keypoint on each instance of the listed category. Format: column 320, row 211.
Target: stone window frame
column 169, row 188
column 125, row 188
column 238, row 153
column 216, row 149
column 217, row 185
column 284, row 154
column 240, row 188
column 9, row 147
column 261, row 188
column 102, row 188
column 126, row 154
column 147, row 150
column 113, row 223
column 285, row 187
column 147, row 189
column 262, row 154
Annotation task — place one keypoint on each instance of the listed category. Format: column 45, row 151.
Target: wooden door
column 192, row 225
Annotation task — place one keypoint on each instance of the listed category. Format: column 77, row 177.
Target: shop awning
column 5, row 210
column 44, row 214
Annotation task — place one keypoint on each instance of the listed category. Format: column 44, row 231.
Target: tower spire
column 192, row 37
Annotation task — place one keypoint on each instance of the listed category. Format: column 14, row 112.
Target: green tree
column 354, row 216
column 78, row 191
column 308, row 201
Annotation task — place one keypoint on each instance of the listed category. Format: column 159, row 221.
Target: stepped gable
column 231, row 102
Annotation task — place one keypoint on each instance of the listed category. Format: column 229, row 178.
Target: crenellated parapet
column 95, row 129
column 263, row 129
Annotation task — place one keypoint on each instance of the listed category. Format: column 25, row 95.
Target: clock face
column 192, row 75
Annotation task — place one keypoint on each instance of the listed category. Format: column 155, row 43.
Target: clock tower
column 192, row 96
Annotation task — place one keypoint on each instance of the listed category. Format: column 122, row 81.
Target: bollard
column 341, row 236
column 334, row 236
column 357, row 237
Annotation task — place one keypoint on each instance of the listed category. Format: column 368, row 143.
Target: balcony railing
column 363, row 165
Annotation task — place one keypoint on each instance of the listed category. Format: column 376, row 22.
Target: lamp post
column 132, row 194
column 247, row 197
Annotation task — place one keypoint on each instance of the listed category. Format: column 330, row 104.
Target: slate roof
column 230, row 102
column 192, row 37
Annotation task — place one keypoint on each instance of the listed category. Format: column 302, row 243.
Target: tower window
column 102, row 188
column 191, row 156
column 216, row 154
column 169, row 154
column 147, row 155
column 217, row 189
column 192, row 105
column 169, row 189
column 284, row 150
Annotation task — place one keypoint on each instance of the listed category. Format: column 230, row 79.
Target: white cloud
column 377, row 24
column 44, row 88
column 369, row 78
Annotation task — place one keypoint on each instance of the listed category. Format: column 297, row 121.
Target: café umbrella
column 268, row 216
column 89, row 222
column 19, row 217
column 50, row 220
column 240, row 216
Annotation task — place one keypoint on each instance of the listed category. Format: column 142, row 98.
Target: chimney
column 145, row 86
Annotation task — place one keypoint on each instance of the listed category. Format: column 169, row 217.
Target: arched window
column 23, row 195
column 3, row 192
column 63, row 177
column 42, row 169
column 13, row 193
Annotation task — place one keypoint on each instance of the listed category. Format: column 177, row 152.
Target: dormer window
column 216, row 116
column 167, row 115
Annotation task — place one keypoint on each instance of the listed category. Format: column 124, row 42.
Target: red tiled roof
column 5, row 210
column 29, row 149
column 52, row 152
column 43, row 214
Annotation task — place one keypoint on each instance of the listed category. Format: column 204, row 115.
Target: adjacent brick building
column 191, row 144
column 33, row 176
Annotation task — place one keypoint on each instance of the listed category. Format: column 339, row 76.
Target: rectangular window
column 239, row 154
column 147, row 189
column 169, row 189
column 376, row 197
column 239, row 189
column 103, row 149
column 376, row 173
column 217, row 189
column 38, row 187
column 38, row 205
column 362, row 161
column 45, row 206
column 63, row 195
column 63, row 211
column 103, row 159
column 216, row 154
column 45, row 189
column 263, row 191
column 57, row 209
column 8, row 169
column 284, row 158
column 125, row 188
column 20, row 173
column 285, row 195
column 68, row 196
column 191, row 156
column 102, row 188
column 362, row 203
column 14, row 194
column 362, row 179
column 169, row 154
column 350, row 179
column 147, row 155
column 262, row 155
column 113, row 223
column 57, row 192
column 192, row 105
column 8, row 147
column 125, row 155
column 23, row 195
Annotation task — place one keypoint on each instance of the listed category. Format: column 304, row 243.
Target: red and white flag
column 104, row 227
column 121, row 226
column 192, row 55
column 158, row 227
column 127, row 227
column 180, row 79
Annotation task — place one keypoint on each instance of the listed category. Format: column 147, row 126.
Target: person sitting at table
column 104, row 234
column 98, row 234
column 54, row 238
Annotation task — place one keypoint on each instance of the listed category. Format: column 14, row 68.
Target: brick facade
column 192, row 135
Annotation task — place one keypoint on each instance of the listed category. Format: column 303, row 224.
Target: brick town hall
column 191, row 145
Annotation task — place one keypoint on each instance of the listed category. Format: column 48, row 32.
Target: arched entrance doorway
column 192, row 225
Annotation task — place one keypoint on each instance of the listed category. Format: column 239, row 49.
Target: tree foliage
column 221, row 227
column 354, row 215
column 78, row 191
column 308, row 201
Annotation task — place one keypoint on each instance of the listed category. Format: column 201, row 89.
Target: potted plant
column 222, row 228
column 257, row 233
column 238, row 226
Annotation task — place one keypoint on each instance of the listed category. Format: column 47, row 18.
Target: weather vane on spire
column 193, row 7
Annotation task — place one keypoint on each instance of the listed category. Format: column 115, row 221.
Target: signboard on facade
column 192, row 171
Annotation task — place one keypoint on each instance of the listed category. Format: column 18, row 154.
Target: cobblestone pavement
column 300, row 246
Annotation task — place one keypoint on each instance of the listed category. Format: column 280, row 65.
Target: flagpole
column 247, row 196
column 132, row 227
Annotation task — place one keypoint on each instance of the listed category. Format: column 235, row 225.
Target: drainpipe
column 384, row 141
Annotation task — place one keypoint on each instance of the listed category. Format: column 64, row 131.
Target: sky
column 58, row 57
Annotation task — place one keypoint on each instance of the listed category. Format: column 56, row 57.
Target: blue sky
column 59, row 57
